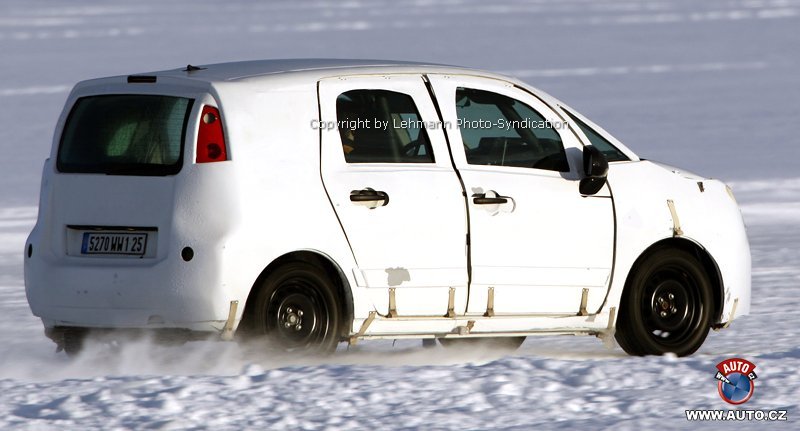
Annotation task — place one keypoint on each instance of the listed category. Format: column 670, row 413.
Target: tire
column 505, row 344
column 297, row 310
column 666, row 306
column 74, row 340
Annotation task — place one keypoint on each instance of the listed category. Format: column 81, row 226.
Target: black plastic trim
column 483, row 200
column 141, row 79
column 369, row 195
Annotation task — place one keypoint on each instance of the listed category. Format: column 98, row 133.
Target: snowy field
column 710, row 86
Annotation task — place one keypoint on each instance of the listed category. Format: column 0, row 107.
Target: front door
column 394, row 189
column 535, row 241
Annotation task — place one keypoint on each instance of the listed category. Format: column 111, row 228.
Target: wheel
column 74, row 340
column 297, row 310
column 508, row 344
column 428, row 343
column 666, row 306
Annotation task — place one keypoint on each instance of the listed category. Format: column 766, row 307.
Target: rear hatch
column 117, row 168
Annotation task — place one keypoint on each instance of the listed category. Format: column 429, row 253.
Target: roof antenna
column 190, row 68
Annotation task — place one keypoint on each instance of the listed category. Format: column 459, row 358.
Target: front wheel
column 297, row 310
column 666, row 306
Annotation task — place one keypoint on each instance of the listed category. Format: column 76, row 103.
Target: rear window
column 125, row 135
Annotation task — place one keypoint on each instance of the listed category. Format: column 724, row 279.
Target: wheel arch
column 319, row 260
column 703, row 256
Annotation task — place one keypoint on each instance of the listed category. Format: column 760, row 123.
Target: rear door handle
column 481, row 199
column 369, row 195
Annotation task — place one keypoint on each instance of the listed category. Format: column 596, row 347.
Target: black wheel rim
column 671, row 305
column 297, row 316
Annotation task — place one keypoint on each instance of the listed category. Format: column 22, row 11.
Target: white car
column 321, row 201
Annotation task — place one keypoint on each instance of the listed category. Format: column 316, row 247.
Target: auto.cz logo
column 735, row 384
column 736, row 380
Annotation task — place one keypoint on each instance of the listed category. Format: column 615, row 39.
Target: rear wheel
column 666, row 306
column 74, row 340
column 297, row 310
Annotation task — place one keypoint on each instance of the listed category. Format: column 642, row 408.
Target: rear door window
column 125, row 135
column 381, row 126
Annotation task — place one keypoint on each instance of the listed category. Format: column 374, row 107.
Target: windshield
column 125, row 135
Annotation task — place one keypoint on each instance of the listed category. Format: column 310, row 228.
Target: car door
column 536, row 244
column 390, row 180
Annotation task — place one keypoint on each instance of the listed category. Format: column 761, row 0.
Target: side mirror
column 595, row 167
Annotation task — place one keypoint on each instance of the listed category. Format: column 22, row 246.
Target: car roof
column 310, row 67
column 309, row 70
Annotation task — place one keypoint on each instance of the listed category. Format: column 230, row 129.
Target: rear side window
column 380, row 126
column 125, row 135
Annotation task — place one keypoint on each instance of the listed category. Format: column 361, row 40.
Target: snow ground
column 711, row 87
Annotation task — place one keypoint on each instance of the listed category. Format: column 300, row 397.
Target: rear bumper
column 108, row 318
column 133, row 293
column 60, row 334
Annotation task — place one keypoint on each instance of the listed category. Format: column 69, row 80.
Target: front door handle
column 369, row 195
column 481, row 199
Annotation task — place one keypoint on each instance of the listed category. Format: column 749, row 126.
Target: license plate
column 116, row 243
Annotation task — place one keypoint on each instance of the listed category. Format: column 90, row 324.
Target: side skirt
column 376, row 326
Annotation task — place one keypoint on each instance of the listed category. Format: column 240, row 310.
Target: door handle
column 369, row 195
column 481, row 199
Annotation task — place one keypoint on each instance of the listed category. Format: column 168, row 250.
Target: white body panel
column 226, row 211
column 285, row 190
column 710, row 218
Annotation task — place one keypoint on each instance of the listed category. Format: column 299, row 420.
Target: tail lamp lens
column 210, row 139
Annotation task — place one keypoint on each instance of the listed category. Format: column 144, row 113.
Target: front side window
column 612, row 153
column 498, row 130
column 380, row 126
column 125, row 135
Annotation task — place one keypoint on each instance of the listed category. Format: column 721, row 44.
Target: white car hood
column 682, row 172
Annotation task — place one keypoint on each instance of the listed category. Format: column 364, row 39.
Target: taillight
column 210, row 139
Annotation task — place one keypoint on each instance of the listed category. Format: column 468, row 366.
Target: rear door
column 536, row 243
column 387, row 170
